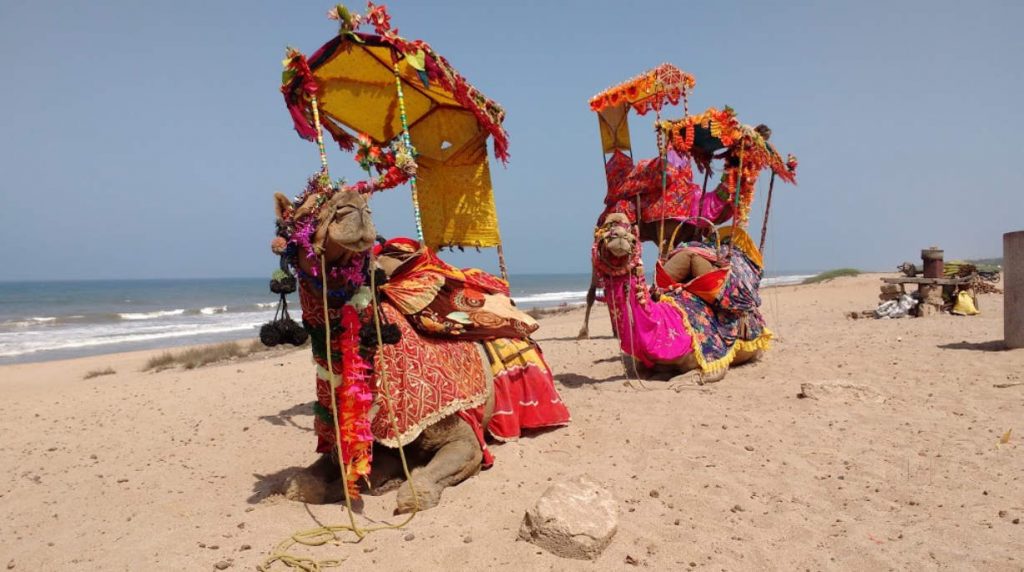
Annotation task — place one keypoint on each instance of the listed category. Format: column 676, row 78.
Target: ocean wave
column 211, row 310
column 35, row 321
column 785, row 280
column 262, row 305
column 12, row 346
column 151, row 315
column 550, row 297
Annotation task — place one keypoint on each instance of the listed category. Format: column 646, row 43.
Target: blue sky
column 145, row 139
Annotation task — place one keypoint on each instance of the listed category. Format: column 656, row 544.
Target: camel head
column 616, row 246
column 342, row 225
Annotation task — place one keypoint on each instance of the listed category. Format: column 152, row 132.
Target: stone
column 572, row 519
column 839, row 390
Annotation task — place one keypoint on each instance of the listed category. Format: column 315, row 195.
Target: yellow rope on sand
column 324, row 534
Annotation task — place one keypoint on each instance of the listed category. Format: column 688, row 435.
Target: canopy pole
column 767, row 210
column 319, row 135
column 408, row 143
column 703, row 191
column 501, row 263
column 663, row 154
column 736, row 201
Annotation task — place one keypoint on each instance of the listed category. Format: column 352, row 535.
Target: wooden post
column 1013, row 288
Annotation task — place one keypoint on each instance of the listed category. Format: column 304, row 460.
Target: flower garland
column 395, row 164
column 649, row 90
column 738, row 140
column 353, row 390
column 354, row 401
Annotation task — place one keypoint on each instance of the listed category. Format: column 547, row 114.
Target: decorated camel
column 706, row 317
column 412, row 353
column 423, row 355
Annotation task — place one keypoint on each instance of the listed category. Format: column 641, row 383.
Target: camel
column 655, row 333
column 336, row 224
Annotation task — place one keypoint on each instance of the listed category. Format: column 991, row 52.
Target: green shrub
column 832, row 274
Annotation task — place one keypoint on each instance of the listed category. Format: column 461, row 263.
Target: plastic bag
column 964, row 304
column 896, row 308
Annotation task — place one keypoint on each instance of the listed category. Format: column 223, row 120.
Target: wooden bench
column 931, row 290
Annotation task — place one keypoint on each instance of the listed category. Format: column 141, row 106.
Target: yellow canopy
column 353, row 78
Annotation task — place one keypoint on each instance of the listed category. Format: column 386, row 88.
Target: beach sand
column 897, row 465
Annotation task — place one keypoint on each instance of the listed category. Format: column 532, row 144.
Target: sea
column 41, row 321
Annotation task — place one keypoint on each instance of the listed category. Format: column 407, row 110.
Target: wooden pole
column 662, row 152
column 767, row 211
column 501, row 263
column 1013, row 289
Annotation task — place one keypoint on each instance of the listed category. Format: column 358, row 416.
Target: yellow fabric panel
column 412, row 81
column 614, row 125
column 456, row 198
column 742, row 242
column 445, row 133
column 358, row 90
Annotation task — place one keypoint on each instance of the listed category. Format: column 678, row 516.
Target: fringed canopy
column 354, row 81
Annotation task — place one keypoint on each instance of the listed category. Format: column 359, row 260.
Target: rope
column 632, row 330
column 324, row 534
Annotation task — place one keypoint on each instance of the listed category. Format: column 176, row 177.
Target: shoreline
column 190, row 318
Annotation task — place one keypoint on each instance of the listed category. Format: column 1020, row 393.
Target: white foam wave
column 43, row 319
column 128, row 335
column 266, row 304
column 151, row 315
column 211, row 310
column 785, row 280
column 551, row 297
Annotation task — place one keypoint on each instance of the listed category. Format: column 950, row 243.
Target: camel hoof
column 427, row 495
column 583, row 335
column 309, row 487
column 304, row 487
column 706, row 378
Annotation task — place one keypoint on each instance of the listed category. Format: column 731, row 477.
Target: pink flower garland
column 355, row 399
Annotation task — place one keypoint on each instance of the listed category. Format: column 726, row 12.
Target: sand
column 896, row 465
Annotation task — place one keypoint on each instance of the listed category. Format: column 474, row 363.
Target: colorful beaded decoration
column 408, row 143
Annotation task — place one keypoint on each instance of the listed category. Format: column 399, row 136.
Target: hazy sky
column 144, row 139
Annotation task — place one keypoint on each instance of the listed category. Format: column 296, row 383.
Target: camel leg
column 457, row 456
column 319, row 483
column 387, row 473
column 591, row 296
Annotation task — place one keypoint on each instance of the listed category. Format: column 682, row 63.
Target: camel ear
column 305, row 208
column 282, row 207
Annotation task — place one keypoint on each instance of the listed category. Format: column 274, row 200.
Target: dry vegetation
column 204, row 355
column 832, row 275
column 538, row 313
column 98, row 372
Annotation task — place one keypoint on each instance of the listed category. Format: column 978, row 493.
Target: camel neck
column 624, row 294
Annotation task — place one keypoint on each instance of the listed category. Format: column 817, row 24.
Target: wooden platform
column 929, row 281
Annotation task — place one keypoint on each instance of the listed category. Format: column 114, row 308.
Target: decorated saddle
column 441, row 300
column 628, row 183
column 722, row 308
